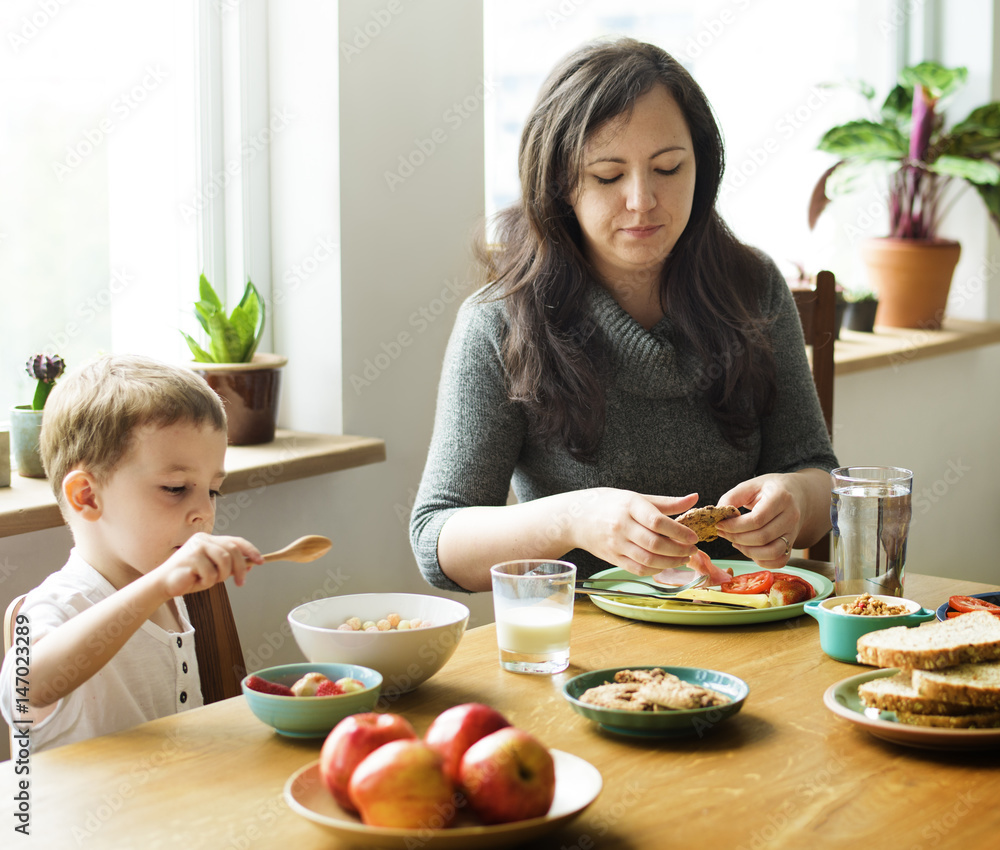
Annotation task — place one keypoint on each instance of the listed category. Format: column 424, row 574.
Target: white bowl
column 405, row 658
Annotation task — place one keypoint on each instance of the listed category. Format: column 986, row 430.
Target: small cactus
column 45, row 370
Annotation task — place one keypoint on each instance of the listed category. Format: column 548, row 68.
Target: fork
column 666, row 589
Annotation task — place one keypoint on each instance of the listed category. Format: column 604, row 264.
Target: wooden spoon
column 303, row 550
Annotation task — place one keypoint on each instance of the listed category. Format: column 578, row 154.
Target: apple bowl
column 405, row 658
column 311, row 717
column 660, row 724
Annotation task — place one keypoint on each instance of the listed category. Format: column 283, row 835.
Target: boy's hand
column 207, row 559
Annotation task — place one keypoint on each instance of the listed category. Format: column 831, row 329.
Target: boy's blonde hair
column 93, row 412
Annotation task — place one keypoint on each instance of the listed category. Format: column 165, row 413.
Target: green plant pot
column 25, row 428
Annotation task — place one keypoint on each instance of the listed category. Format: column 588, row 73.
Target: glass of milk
column 533, row 604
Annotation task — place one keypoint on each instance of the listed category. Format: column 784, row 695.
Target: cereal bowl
column 839, row 631
column 405, row 658
column 311, row 717
column 660, row 724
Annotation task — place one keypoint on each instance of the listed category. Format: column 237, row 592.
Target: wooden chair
column 217, row 643
column 818, row 314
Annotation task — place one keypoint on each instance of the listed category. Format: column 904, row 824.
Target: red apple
column 402, row 784
column 350, row 741
column 456, row 729
column 507, row 776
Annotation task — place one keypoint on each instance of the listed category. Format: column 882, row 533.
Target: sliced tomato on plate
column 759, row 582
column 964, row 604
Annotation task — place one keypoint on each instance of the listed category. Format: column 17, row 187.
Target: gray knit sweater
column 660, row 436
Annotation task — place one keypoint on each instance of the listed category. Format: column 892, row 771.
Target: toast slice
column 968, row 639
column 988, row 720
column 971, row 684
column 897, row 693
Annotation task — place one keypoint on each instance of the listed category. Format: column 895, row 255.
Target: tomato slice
column 964, row 604
column 759, row 582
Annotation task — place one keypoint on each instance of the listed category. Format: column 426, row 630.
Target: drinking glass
column 870, row 510
column 533, row 604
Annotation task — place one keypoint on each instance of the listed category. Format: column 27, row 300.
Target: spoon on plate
column 303, row 550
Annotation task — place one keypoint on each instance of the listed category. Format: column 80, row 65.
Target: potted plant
column 911, row 268
column 861, row 308
column 247, row 381
column 26, row 419
column 804, row 280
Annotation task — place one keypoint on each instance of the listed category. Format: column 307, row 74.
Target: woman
column 627, row 346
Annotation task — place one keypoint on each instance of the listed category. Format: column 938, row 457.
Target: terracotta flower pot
column 25, row 428
column 912, row 278
column 250, row 393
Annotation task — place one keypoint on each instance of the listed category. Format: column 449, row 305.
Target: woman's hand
column 633, row 531
column 786, row 510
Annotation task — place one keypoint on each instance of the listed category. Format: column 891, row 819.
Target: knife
column 606, row 591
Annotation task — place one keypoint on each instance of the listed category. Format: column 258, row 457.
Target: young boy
column 134, row 450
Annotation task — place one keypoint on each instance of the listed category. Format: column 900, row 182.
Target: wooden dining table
column 784, row 772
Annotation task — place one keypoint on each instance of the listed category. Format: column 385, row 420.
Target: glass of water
column 533, row 604
column 870, row 511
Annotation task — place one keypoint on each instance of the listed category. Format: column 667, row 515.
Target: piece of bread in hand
column 702, row 521
column 967, row 639
column 969, row 684
column 897, row 693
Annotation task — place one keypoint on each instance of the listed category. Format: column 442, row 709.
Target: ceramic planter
column 860, row 316
column 912, row 278
column 250, row 393
column 25, row 428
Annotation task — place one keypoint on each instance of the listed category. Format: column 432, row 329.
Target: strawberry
column 329, row 689
column 265, row 687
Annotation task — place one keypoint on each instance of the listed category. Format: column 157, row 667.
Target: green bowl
column 660, row 724
column 312, row 717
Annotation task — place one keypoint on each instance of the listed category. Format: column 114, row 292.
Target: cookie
column 620, row 695
column 703, row 520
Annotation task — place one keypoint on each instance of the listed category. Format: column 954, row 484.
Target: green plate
column 660, row 724
column 694, row 615
column 842, row 699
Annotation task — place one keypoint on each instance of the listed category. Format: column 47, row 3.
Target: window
column 98, row 144
column 762, row 66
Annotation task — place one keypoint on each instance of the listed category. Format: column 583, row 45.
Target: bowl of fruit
column 407, row 637
column 308, row 700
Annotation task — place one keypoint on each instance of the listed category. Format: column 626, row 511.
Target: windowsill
column 858, row 352
column 28, row 504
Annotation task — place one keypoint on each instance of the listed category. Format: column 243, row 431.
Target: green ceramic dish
column 660, row 724
column 839, row 632
column 312, row 717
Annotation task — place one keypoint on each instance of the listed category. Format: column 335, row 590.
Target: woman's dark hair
column 710, row 284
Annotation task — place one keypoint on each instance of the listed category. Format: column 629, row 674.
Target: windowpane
column 97, row 118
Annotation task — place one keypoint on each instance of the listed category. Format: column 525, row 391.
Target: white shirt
column 154, row 675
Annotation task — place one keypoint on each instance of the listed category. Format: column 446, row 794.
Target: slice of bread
column 990, row 720
column 972, row 684
column 897, row 693
column 967, row 639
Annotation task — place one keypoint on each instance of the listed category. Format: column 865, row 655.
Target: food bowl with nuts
column 843, row 619
column 407, row 637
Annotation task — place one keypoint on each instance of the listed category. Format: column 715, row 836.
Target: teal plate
column 660, row 724
column 843, row 700
column 693, row 615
